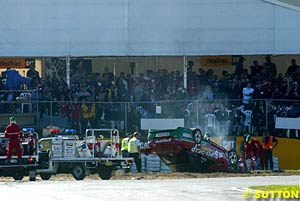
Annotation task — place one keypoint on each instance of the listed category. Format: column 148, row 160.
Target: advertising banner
column 17, row 63
column 216, row 60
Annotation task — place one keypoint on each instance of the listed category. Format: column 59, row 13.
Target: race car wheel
column 105, row 173
column 18, row 176
column 197, row 136
column 233, row 158
column 45, row 176
column 78, row 172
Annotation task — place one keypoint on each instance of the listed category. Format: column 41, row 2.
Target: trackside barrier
column 151, row 163
column 275, row 164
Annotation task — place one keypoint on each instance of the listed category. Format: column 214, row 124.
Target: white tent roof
column 142, row 27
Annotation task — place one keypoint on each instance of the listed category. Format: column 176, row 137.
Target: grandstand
column 132, row 57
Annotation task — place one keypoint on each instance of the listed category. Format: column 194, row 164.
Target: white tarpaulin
column 143, row 27
column 159, row 124
column 287, row 123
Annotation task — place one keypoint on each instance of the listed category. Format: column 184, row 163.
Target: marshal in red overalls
column 255, row 149
column 13, row 132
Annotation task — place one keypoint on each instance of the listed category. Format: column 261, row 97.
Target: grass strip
column 277, row 188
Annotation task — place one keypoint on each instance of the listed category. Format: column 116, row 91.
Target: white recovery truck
column 29, row 163
column 94, row 154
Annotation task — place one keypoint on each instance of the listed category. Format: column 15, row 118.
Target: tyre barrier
column 275, row 164
column 151, row 163
column 164, row 167
column 133, row 168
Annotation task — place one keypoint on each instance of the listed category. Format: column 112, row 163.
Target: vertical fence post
column 197, row 112
column 126, row 110
column 68, row 70
column 266, row 109
column 50, row 113
column 37, row 109
column 184, row 72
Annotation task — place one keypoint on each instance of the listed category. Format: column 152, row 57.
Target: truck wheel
column 78, row 172
column 45, row 176
column 32, row 175
column 105, row 173
column 232, row 156
column 18, row 176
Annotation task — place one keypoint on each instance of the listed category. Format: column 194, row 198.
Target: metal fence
column 217, row 117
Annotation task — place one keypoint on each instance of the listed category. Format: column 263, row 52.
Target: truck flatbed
column 90, row 155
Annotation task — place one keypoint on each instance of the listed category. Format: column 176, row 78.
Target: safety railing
column 217, row 117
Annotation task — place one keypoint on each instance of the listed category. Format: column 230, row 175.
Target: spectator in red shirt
column 76, row 115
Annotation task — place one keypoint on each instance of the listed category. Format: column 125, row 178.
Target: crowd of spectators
column 101, row 100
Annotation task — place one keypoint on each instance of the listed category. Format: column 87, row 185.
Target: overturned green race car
column 188, row 150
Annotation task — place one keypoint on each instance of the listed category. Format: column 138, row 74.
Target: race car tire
column 197, row 136
column 18, row 176
column 105, row 173
column 45, row 176
column 232, row 157
column 78, row 172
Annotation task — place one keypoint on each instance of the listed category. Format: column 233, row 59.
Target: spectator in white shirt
column 247, row 93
